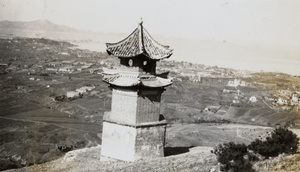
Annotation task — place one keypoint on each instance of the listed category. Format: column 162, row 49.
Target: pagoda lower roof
column 139, row 42
column 127, row 79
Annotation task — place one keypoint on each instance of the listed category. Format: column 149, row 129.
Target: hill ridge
column 40, row 24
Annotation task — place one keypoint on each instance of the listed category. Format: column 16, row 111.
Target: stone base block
column 131, row 143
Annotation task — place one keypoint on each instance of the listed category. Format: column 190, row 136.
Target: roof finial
column 141, row 21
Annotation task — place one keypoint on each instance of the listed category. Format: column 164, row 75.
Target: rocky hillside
column 195, row 159
column 88, row 159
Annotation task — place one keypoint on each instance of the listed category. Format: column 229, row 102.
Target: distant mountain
column 44, row 25
column 209, row 52
column 43, row 29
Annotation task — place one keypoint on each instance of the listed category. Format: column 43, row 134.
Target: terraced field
column 212, row 134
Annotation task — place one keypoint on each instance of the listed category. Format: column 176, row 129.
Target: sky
column 274, row 24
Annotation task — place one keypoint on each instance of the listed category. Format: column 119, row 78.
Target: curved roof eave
column 123, row 40
column 137, row 43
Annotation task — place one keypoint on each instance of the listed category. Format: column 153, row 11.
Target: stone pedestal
column 133, row 142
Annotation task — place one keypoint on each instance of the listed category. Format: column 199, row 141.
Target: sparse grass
column 212, row 134
column 288, row 163
column 27, row 140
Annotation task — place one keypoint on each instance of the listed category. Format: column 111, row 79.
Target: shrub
column 234, row 157
column 282, row 140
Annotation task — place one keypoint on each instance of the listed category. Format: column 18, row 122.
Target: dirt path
column 238, row 135
column 268, row 104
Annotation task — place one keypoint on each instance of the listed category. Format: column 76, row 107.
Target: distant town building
column 282, row 101
column 67, row 69
column 72, row 94
column 236, row 82
column 253, row 99
column 85, row 89
column 229, row 89
column 295, row 98
column 236, row 101
column 3, row 65
column 243, row 83
column 213, row 109
column 64, row 53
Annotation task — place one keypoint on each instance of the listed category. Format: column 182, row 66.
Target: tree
column 282, row 140
column 234, row 157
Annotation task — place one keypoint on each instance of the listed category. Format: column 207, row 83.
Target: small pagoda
column 134, row 128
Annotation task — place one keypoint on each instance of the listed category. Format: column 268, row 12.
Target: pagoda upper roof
column 137, row 43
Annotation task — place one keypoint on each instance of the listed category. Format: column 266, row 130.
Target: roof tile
column 137, row 43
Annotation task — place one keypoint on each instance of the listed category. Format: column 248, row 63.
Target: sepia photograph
column 160, row 86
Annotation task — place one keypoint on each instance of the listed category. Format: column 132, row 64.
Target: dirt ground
column 88, row 159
